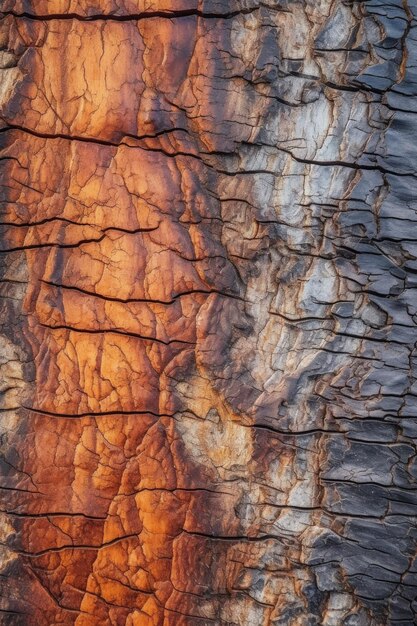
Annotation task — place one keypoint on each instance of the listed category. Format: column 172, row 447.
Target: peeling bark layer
column 208, row 305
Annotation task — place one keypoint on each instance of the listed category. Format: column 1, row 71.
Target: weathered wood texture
column 209, row 310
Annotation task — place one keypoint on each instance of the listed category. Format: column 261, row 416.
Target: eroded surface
column 208, row 303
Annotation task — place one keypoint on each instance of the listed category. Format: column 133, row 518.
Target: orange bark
column 178, row 362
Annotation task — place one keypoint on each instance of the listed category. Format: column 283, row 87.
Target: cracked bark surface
column 208, row 304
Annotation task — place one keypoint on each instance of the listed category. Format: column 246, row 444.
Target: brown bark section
column 208, row 351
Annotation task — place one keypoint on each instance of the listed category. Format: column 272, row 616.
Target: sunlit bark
column 208, row 308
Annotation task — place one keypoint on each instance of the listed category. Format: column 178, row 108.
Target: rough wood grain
column 208, row 306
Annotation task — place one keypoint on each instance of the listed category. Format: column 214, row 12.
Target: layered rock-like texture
column 209, row 313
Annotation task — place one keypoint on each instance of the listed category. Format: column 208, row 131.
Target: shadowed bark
column 208, row 305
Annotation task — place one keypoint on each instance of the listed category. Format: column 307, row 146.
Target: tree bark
column 208, row 305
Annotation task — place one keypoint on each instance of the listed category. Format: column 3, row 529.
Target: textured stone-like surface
column 208, row 305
